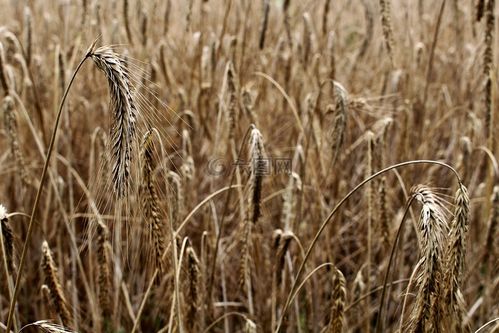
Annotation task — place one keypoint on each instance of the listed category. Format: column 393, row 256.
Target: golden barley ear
column 232, row 109
column 426, row 314
column 264, row 24
column 104, row 275
column 54, row 286
column 338, row 299
column 258, row 167
column 150, row 201
column 193, row 281
column 124, row 114
column 455, row 263
column 337, row 133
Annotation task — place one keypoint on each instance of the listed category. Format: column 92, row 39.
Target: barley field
column 249, row 166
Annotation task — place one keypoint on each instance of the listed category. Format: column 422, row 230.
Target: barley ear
column 338, row 299
column 54, row 285
column 150, row 202
column 104, row 262
column 258, row 167
column 124, row 114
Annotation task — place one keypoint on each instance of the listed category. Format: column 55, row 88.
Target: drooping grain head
column 124, row 115
column 426, row 314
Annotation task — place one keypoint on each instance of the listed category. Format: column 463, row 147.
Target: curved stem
column 38, row 194
column 487, row 324
column 379, row 327
column 335, row 209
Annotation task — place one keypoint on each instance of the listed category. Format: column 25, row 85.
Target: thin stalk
column 379, row 328
column 39, row 191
